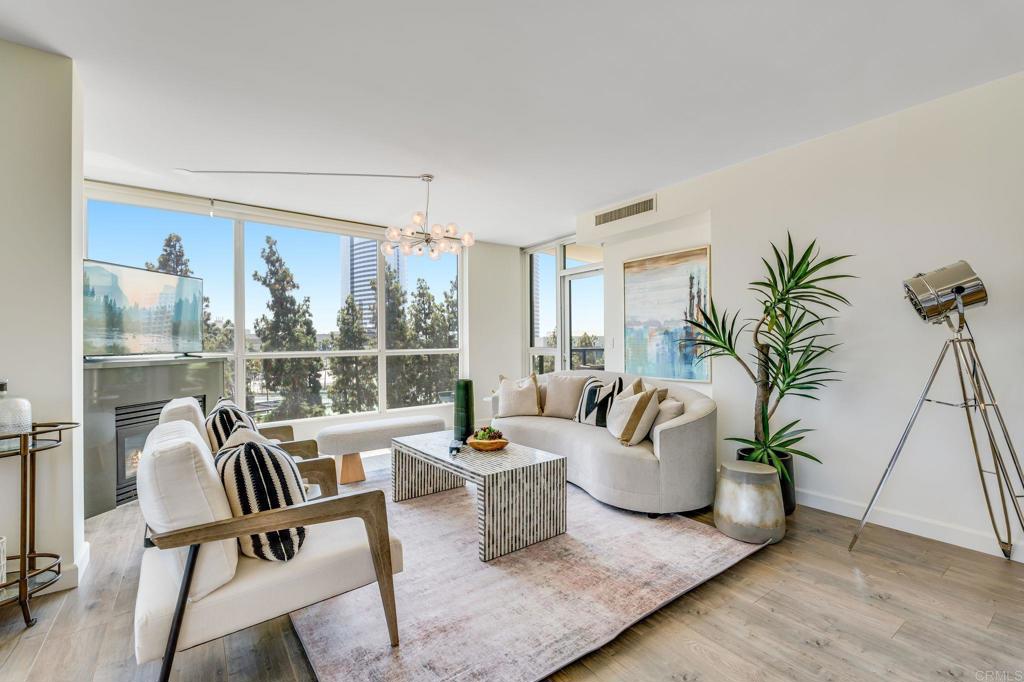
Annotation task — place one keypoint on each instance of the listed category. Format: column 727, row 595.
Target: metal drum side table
column 748, row 502
column 36, row 570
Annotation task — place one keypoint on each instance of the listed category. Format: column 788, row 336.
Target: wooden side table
column 30, row 576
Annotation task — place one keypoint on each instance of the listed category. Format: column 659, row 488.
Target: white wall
column 675, row 234
column 41, row 252
column 908, row 192
column 495, row 316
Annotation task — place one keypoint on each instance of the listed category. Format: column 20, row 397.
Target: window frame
column 243, row 213
column 562, row 275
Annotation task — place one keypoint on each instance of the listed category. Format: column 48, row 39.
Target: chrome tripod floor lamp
column 942, row 296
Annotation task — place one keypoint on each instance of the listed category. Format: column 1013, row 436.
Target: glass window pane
column 422, row 301
column 582, row 254
column 294, row 388
column 421, row 379
column 542, row 364
column 586, row 322
column 309, row 290
column 542, row 299
column 176, row 243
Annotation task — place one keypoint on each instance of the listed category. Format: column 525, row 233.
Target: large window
column 543, row 310
column 566, row 307
column 320, row 336
column 177, row 243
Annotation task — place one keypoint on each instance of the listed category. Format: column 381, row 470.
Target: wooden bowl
column 487, row 445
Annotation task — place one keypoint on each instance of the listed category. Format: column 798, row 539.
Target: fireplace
column 132, row 424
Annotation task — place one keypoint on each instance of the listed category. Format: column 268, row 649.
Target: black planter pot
column 788, row 486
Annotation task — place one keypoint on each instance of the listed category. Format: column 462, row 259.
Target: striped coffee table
column 520, row 491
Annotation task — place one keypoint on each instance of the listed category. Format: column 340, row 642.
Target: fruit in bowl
column 487, row 439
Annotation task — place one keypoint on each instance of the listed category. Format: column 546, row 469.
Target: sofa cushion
column 260, row 477
column 221, row 422
column 186, row 409
column 668, row 409
column 562, row 398
column 518, row 398
column 596, row 398
column 630, row 419
column 334, row 559
column 178, row 487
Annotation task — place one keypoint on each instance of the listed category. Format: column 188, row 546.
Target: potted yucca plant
column 789, row 348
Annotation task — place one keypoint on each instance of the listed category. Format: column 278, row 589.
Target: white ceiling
column 529, row 112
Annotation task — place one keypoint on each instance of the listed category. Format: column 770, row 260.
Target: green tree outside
column 354, row 379
column 287, row 325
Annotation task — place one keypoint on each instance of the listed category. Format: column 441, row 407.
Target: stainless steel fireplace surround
column 121, row 395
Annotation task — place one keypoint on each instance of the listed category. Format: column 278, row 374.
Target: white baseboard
column 909, row 523
column 72, row 573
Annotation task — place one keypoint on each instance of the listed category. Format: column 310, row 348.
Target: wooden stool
column 351, row 468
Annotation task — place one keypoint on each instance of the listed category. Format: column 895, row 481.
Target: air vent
column 642, row 206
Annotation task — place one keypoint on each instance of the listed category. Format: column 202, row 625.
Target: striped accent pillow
column 222, row 420
column 260, row 477
column 596, row 399
column 630, row 419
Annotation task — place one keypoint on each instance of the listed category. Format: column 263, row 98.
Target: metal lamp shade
column 934, row 294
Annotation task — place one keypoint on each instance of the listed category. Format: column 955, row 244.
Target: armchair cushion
column 221, row 422
column 335, row 559
column 178, row 487
column 186, row 409
column 260, row 477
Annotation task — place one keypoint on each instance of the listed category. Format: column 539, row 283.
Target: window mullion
column 239, row 338
column 382, row 365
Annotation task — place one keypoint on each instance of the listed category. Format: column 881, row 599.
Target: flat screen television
column 132, row 311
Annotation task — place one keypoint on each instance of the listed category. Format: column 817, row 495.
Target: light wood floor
column 900, row 607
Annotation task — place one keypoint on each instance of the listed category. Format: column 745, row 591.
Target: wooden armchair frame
column 368, row 506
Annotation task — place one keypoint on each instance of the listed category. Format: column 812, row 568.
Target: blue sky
column 133, row 235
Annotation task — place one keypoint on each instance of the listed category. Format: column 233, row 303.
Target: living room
column 572, row 342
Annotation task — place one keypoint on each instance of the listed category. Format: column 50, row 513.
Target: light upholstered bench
column 348, row 440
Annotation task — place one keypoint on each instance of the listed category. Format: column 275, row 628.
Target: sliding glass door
column 585, row 320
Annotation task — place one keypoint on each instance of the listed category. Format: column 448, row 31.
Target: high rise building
column 359, row 272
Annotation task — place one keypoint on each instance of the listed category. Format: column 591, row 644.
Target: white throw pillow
column 178, row 487
column 518, row 398
column 630, row 418
column 668, row 409
column 563, row 395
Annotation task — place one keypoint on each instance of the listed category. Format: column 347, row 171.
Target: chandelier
column 416, row 238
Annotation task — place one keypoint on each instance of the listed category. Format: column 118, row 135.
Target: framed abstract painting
column 660, row 294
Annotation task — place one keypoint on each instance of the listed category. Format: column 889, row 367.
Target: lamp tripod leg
column 1006, row 436
column 967, row 357
column 899, row 446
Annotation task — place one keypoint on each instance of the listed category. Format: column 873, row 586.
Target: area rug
column 520, row 617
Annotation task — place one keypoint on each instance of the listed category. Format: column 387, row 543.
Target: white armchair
column 190, row 596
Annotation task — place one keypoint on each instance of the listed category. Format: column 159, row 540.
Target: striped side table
column 520, row 490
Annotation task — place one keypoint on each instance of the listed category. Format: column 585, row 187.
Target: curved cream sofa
column 671, row 471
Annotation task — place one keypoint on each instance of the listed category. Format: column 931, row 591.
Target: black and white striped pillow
column 260, row 477
column 597, row 398
column 222, row 420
